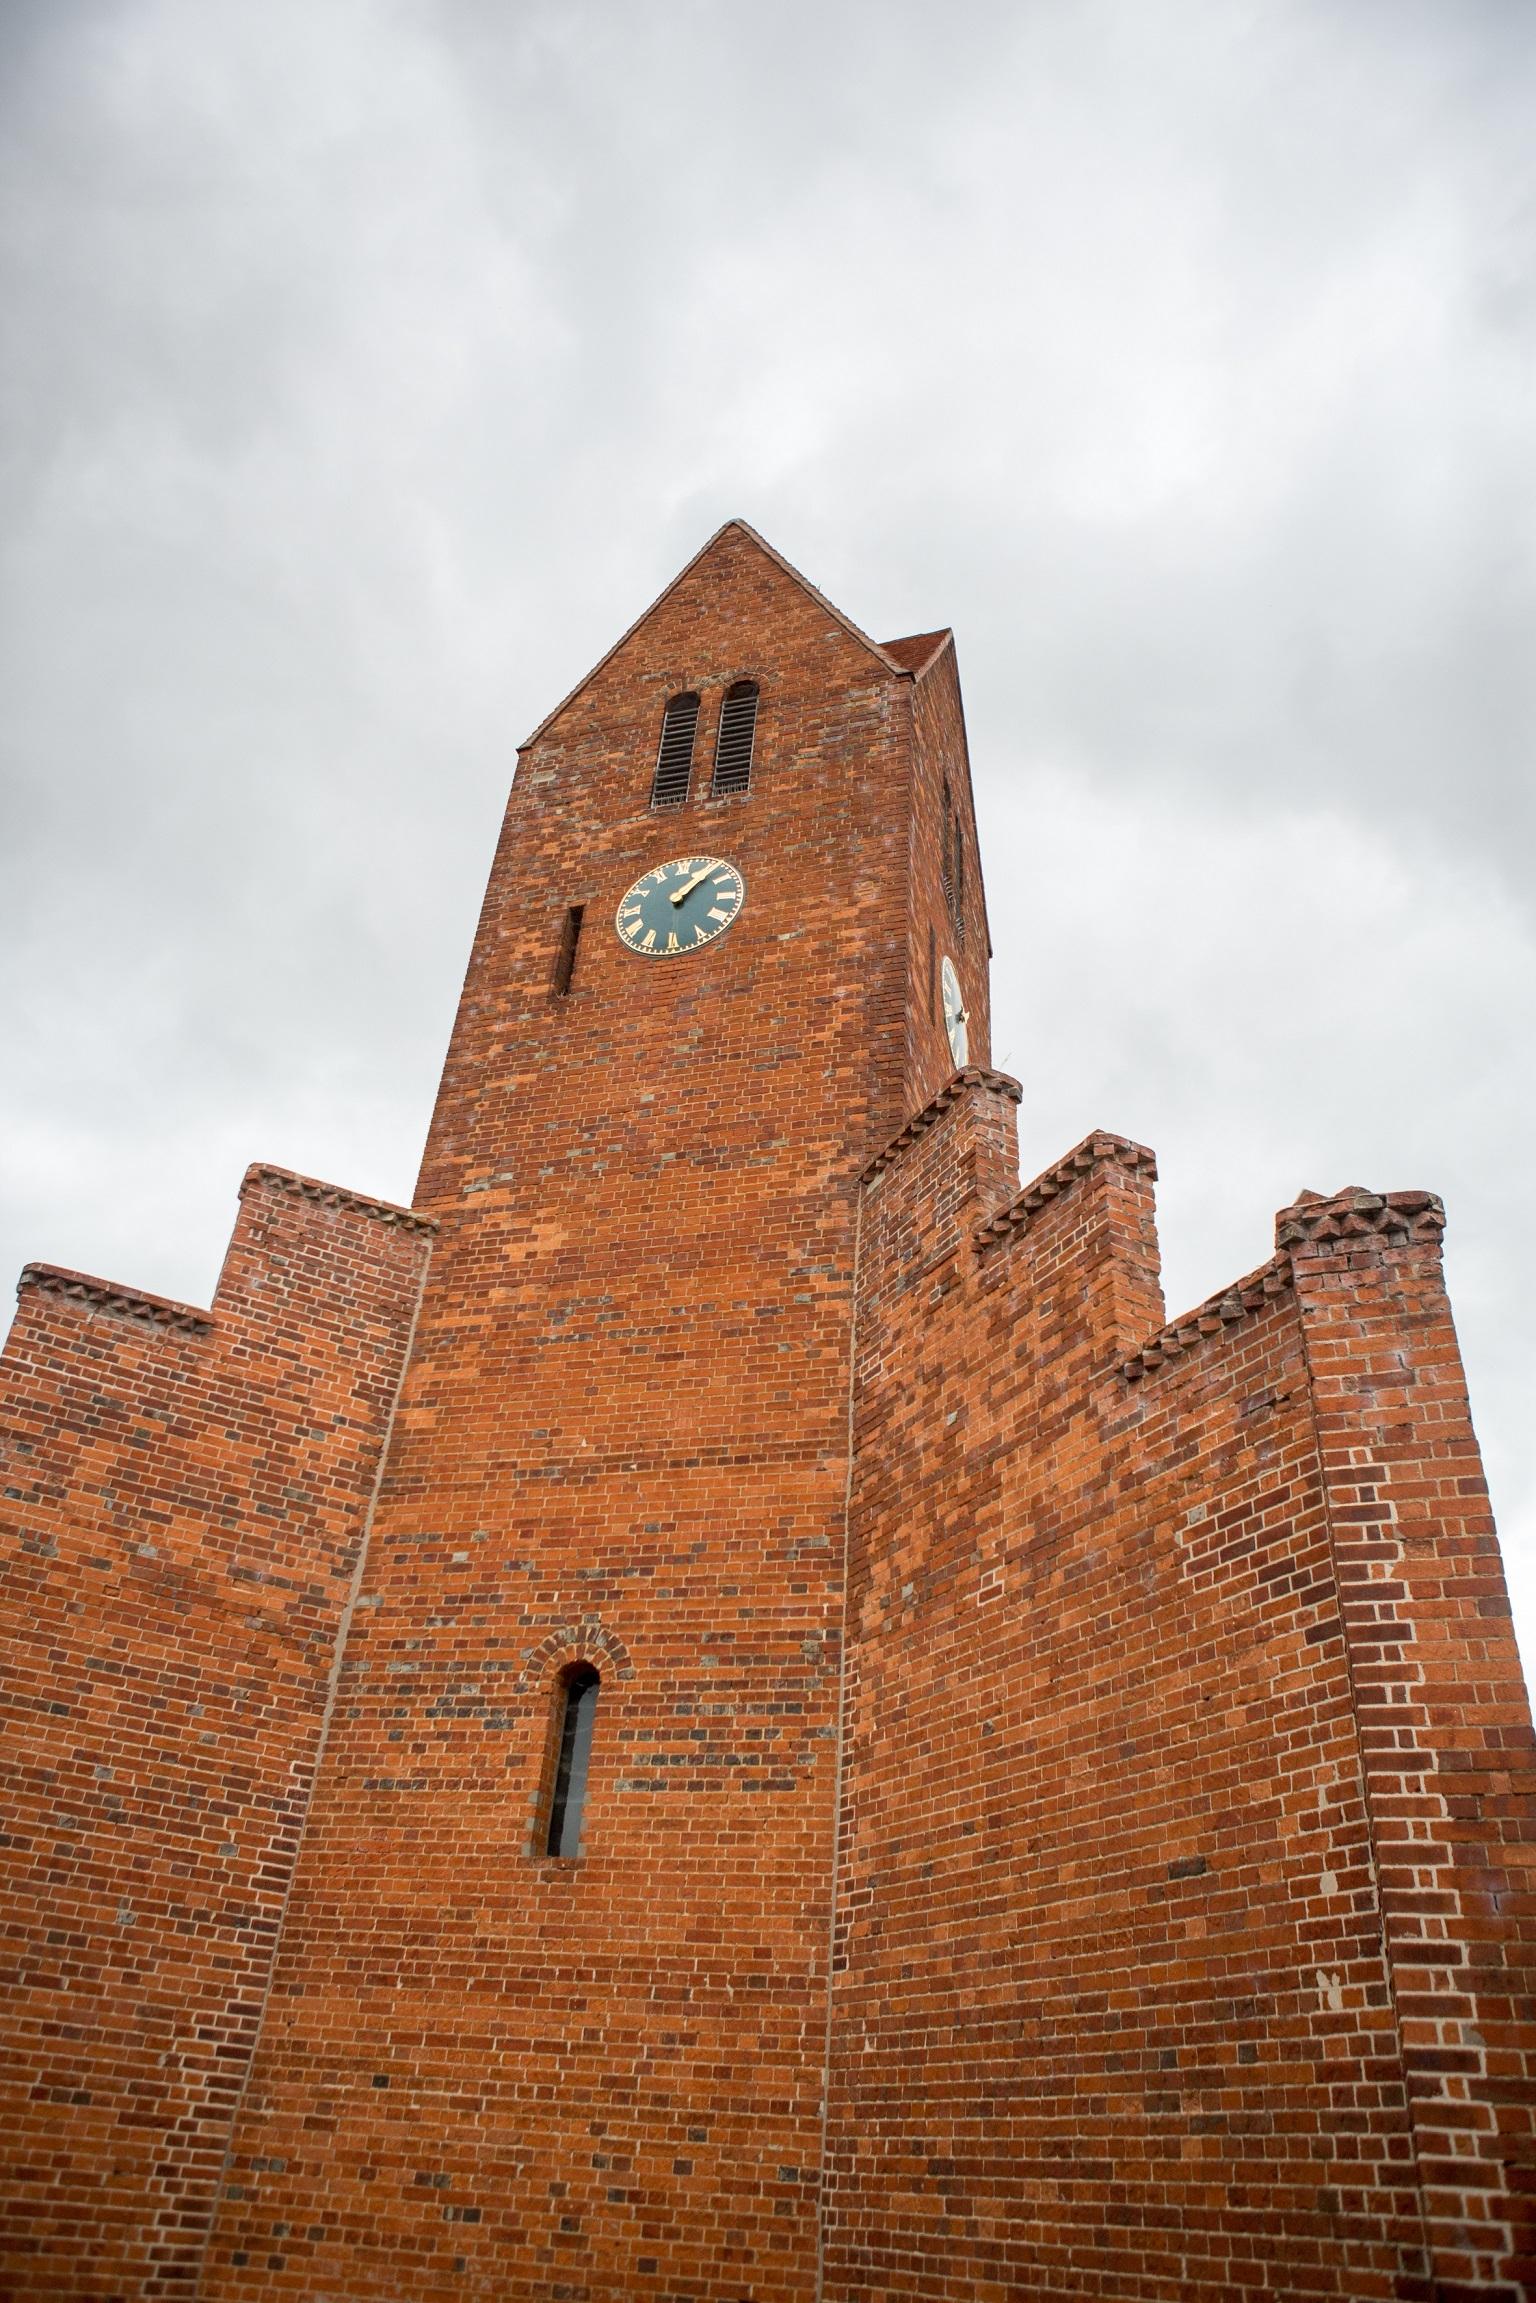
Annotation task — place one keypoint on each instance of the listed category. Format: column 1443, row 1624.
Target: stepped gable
column 186, row 1495
column 700, row 1714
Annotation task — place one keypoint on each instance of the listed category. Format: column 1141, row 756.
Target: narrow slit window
column 578, row 1698
column 952, row 868
column 674, row 757
column 733, row 745
column 565, row 957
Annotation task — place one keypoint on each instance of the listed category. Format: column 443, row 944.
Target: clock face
column 955, row 1018
column 680, row 906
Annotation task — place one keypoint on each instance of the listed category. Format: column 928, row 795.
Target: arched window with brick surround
column 733, row 744
column 674, row 755
column 575, row 1716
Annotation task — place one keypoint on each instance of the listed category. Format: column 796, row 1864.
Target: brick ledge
column 1096, row 1150
column 336, row 1195
column 973, row 1076
column 1355, row 1213
column 1226, row 1308
column 125, row 1302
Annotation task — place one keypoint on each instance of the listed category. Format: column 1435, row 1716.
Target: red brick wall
column 1116, row 1990
column 184, row 1499
column 623, row 1437
column 1059, row 1821
column 940, row 759
column 1444, row 1725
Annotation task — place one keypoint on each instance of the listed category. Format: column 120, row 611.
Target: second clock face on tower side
column 680, row 906
column 955, row 1018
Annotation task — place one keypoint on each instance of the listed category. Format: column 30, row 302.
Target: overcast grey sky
column 371, row 363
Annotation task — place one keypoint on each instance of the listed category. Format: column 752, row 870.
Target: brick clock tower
column 721, row 1710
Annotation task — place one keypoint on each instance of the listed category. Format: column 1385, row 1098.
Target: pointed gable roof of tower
column 915, row 653
column 882, row 655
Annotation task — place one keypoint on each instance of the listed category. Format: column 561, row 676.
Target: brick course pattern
column 185, row 1494
column 1060, row 1815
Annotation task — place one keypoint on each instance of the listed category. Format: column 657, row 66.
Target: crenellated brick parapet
column 123, row 1302
column 336, row 1196
column 1228, row 1308
column 1095, row 1151
column 1447, row 1759
column 1316, row 1222
column 185, row 1497
column 955, row 1088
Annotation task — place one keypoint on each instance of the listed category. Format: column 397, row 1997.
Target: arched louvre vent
column 733, row 745
column 674, row 759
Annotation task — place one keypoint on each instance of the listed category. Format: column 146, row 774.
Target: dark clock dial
column 680, row 906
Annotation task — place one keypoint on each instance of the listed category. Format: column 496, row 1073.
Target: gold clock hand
column 689, row 885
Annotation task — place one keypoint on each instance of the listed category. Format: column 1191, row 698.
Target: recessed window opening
column 674, row 757
column 565, row 957
column 733, row 745
column 578, row 1697
column 952, row 868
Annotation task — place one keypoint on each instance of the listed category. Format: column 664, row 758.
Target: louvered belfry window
column 952, row 868
column 674, row 758
column 733, row 745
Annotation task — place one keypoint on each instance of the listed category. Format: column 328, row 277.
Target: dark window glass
column 578, row 1696
column 674, row 758
column 565, row 957
column 733, row 745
